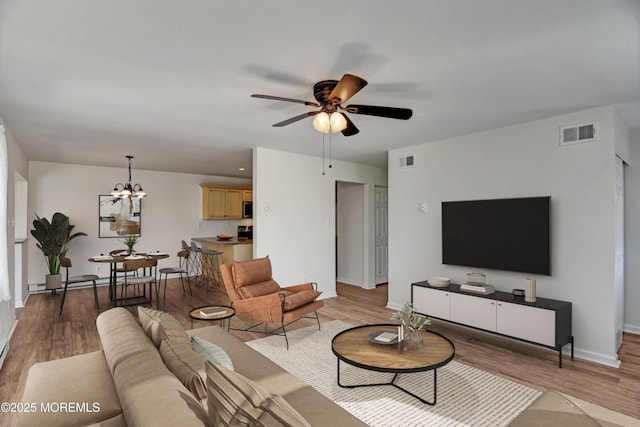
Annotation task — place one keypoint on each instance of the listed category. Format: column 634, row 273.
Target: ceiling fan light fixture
column 338, row 122
column 321, row 122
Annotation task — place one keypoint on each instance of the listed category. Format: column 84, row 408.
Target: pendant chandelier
column 127, row 190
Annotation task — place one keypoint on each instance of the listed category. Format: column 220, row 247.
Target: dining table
column 114, row 259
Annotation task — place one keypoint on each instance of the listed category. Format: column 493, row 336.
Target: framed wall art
column 119, row 217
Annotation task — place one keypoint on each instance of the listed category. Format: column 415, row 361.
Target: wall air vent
column 578, row 134
column 405, row 161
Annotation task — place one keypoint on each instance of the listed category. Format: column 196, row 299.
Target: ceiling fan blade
column 348, row 86
column 295, row 119
column 374, row 110
column 351, row 129
column 279, row 98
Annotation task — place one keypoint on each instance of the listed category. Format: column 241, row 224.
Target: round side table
column 212, row 312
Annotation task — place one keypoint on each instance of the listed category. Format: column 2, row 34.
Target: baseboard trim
column 632, row 329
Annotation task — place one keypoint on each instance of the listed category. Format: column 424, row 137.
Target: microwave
column 247, row 209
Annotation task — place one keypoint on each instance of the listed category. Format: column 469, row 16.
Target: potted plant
column 411, row 322
column 53, row 237
column 130, row 240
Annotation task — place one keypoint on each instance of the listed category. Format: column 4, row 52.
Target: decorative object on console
column 530, row 290
column 410, row 325
column 477, row 283
column 439, row 282
column 518, row 292
column 476, row 279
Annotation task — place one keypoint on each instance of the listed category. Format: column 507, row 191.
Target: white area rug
column 466, row 396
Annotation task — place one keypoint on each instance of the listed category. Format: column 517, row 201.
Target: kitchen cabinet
column 545, row 322
column 220, row 202
column 247, row 195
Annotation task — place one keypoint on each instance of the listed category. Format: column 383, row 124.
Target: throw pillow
column 159, row 325
column 251, row 271
column 259, row 289
column 211, row 352
column 234, row 400
column 185, row 364
column 291, row 302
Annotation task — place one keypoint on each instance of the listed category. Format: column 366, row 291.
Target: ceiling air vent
column 578, row 134
column 405, row 161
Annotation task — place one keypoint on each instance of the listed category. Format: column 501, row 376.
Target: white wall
column 518, row 161
column 350, row 232
column 17, row 163
column 632, row 236
column 298, row 229
column 170, row 213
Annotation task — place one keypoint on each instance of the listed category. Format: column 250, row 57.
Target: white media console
column 545, row 322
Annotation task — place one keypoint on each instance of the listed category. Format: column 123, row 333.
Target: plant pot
column 53, row 281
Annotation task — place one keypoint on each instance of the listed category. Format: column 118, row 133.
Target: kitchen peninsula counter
column 232, row 250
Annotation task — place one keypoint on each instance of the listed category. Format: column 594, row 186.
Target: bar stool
column 195, row 260
column 211, row 265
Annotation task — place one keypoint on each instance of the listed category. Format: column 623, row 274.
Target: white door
column 382, row 234
column 619, row 258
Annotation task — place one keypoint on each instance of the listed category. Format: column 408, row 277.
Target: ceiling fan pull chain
column 330, row 157
column 323, row 154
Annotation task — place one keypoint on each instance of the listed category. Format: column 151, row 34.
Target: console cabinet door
column 527, row 323
column 431, row 302
column 473, row 311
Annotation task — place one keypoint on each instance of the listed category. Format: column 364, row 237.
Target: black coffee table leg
column 392, row 382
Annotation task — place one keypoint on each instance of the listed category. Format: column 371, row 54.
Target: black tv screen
column 502, row 234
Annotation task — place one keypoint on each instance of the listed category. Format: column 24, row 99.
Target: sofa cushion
column 258, row 289
column 72, row 379
column 151, row 395
column 121, row 336
column 291, row 302
column 251, row 271
column 159, row 325
column 186, row 365
column 235, row 400
column 211, row 352
column 297, row 393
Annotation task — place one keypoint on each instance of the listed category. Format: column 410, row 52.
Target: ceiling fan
column 330, row 95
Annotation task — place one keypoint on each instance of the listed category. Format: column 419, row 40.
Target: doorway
column 350, row 233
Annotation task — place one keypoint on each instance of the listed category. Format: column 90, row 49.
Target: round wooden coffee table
column 212, row 312
column 353, row 347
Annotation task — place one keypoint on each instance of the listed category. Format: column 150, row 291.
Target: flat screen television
column 501, row 234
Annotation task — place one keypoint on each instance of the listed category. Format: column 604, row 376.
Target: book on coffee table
column 386, row 337
column 213, row 311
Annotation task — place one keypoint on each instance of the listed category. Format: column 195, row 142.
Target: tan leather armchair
column 256, row 296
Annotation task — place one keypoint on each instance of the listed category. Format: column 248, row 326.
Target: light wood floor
column 42, row 334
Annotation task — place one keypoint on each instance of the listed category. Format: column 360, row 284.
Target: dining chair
column 182, row 269
column 66, row 263
column 144, row 279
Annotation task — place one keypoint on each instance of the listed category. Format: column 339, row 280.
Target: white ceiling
column 169, row 81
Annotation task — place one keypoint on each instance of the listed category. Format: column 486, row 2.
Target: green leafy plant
column 53, row 237
column 130, row 241
column 409, row 318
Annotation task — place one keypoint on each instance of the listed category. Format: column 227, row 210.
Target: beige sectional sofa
column 129, row 382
